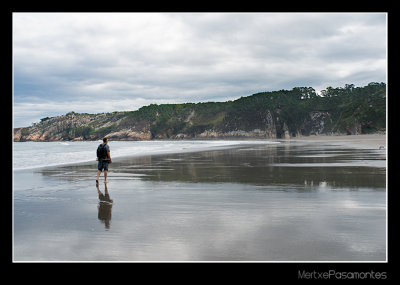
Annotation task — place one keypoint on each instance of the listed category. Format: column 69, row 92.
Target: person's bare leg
column 105, row 176
column 98, row 175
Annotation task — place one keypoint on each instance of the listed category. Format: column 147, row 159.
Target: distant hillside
column 276, row 114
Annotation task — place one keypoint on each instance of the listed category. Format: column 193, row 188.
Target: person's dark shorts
column 103, row 165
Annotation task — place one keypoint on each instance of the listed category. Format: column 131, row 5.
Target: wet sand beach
column 305, row 199
column 372, row 141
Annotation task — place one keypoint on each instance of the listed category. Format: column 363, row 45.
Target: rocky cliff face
column 270, row 115
column 77, row 127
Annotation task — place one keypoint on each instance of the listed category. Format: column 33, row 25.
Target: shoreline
column 374, row 136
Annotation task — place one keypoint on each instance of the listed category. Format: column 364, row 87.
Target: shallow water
column 279, row 202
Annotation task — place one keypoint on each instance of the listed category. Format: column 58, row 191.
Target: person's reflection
column 104, row 207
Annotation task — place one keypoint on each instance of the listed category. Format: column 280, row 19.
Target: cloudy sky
column 104, row 62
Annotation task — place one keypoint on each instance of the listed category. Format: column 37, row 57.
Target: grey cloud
column 178, row 57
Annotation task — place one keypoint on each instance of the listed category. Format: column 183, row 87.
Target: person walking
column 104, row 158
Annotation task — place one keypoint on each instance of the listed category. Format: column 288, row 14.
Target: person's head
column 105, row 140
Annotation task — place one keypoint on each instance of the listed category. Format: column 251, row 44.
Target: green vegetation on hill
column 348, row 106
column 344, row 110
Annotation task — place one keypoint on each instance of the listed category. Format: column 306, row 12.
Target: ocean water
column 30, row 155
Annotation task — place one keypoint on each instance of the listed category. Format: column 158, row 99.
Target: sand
column 309, row 199
column 373, row 141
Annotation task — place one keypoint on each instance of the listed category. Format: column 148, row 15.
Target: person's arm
column 109, row 156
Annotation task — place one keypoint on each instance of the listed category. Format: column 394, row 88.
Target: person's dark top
column 107, row 149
